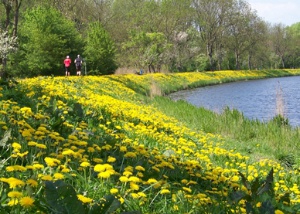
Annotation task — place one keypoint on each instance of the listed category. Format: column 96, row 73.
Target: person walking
column 78, row 63
column 67, row 63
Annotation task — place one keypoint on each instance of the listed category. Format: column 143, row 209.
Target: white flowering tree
column 8, row 44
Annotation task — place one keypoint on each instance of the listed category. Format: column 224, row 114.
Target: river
column 256, row 99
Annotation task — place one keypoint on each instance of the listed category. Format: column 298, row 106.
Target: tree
column 240, row 31
column 99, row 50
column 7, row 45
column 293, row 55
column 12, row 6
column 280, row 39
column 175, row 21
column 46, row 37
column 147, row 50
column 210, row 21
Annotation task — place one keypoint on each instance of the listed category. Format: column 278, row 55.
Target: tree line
column 153, row 35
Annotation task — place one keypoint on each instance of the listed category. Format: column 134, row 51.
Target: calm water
column 256, row 99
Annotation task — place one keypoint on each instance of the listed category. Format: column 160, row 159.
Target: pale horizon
column 284, row 12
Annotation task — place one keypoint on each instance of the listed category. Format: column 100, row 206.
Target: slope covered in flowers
column 98, row 135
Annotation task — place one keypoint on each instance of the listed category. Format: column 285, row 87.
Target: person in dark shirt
column 78, row 63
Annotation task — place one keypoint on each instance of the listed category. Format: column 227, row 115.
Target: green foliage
column 62, row 198
column 287, row 160
column 147, row 49
column 260, row 192
column 46, row 37
column 256, row 190
column 99, row 50
column 280, row 120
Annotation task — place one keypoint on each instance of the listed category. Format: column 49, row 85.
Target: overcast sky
column 286, row 12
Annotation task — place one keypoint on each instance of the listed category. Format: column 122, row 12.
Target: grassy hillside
column 102, row 145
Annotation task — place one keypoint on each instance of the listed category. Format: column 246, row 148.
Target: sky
column 286, row 12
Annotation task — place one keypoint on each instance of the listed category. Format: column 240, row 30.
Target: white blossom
column 7, row 44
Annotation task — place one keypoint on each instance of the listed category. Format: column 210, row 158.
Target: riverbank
column 275, row 140
column 79, row 140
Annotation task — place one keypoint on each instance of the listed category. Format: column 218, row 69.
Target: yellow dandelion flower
column 65, row 170
column 235, row 178
column 16, row 168
column 32, row 182
column 10, row 168
column 13, row 155
column 51, row 161
column 152, row 181
column 134, row 179
column 99, row 168
column 41, row 146
column 175, row 207
column 139, row 174
column 16, row 146
column 135, row 195
column 84, row 199
column 114, row 191
column 105, row 174
column 81, row 143
column 91, row 149
column 26, row 133
column 123, row 179
column 121, row 200
column 134, row 186
column 157, row 185
column 130, row 155
column 187, row 189
column 13, row 202
column 165, row 191
column 72, row 137
column 123, row 148
column 141, row 194
column 14, row 194
column 39, row 133
column 103, row 167
column 111, row 159
column 68, row 152
column 155, row 168
column 32, row 143
column 184, row 181
column 140, row 168
column 26, row 202
column 97, row 160
column 38, row 166
column 21, row 155
column 46, row 178
column 58, row 176
column 278, row 212
column 127, row 173
column 13, row 182
column 128, row 168
column 85, row 164
column 107, row 147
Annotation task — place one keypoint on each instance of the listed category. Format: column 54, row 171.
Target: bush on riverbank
column 97, row 144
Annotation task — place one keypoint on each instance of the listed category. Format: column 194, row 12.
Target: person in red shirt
column 67, row 63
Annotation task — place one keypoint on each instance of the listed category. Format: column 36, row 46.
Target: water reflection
column 256, row 99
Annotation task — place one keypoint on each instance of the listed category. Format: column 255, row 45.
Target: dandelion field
column 92, row 144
